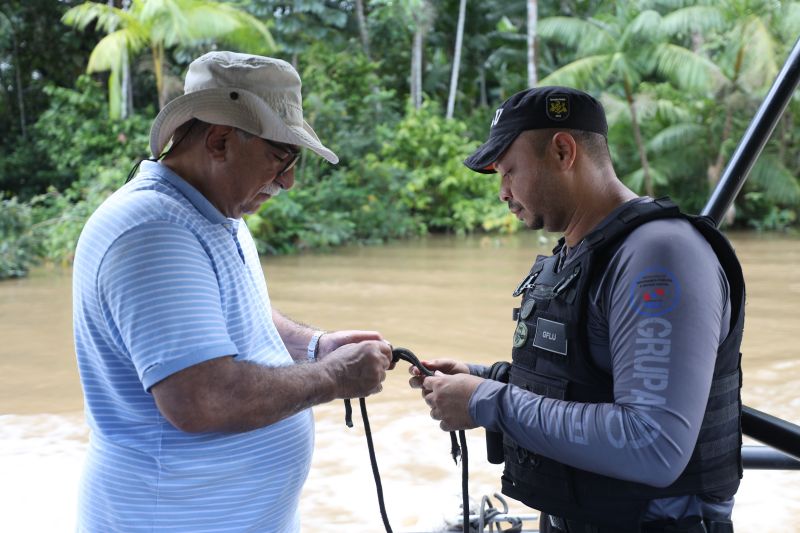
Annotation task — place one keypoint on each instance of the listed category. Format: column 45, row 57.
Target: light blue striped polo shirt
column 162, row 281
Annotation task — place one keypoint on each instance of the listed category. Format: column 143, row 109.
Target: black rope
column 462, row 437
column 374, row 462
column 455, row 450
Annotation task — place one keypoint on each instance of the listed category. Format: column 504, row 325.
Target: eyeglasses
column 293, row 156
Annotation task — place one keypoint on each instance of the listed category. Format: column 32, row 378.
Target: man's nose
column 505, row 192
column 287, row 180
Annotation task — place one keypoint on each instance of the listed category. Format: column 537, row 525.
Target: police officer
column 620, row 410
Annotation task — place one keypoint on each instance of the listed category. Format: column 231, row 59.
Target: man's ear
column 217, row 139
column 565, row 149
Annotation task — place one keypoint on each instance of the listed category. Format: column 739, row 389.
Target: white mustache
column 272, row 189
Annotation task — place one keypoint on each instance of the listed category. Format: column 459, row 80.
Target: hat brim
column 483, row 159
column 247, row 112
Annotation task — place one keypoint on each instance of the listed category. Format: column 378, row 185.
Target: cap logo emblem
column 496, row 118
column 557, row 107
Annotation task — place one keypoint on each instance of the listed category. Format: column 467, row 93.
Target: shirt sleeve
column 162, row 299
column 665, row 299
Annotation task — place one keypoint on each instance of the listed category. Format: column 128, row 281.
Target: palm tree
column 622, row 50
column 160, row 25
column 752, row 37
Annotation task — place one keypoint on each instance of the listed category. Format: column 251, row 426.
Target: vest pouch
column 548, row 386
column 527, row 472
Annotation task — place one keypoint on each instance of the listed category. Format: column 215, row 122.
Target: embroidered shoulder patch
column 654, row 292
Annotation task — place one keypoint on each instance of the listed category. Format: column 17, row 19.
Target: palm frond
column 580, row 74
column 169, row 21
column 672, row 112
column 621, row 68
column 581, row 35
column 215, row 20
column 616, row 108
column 759, row 64
column 693, row 19
column 646, row 26
column 779, row 184
column 684, row 68
column 675, row 137
column 107, row 18
column 108, row 53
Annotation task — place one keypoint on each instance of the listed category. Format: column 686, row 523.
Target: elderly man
column 620, row 411
column 198, row 391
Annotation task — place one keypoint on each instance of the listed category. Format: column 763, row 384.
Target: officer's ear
column 564, row 149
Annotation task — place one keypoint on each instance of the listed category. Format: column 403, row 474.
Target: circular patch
column 520, row 334
column 527, row 309
column 654, row 292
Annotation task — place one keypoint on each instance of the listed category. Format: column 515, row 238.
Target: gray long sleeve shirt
column 661, row 371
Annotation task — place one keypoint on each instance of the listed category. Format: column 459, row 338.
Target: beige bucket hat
column 260, row 95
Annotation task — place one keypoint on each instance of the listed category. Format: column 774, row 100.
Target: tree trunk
column 484, row 100
column 451, row 99
column 126, row 100
column 18, row 77
column 416, row 68
column 158, row 70
column 126, row 80
column 532, row 20
column 648, row 180
column 362, row 27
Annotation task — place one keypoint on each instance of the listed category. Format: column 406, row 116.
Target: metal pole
column 776, row 432
column 765, row 458
column 779, row 434
column 756, row 136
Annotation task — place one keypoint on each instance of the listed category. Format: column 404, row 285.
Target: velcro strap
column 725, row 384
column 720, row 416
column 716, row 448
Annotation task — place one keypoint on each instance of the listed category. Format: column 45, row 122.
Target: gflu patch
column 654, row 292
column 557, row 106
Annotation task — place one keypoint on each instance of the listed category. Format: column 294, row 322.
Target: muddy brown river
column 440, row 297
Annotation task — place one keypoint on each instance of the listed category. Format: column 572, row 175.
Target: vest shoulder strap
column 629, row 219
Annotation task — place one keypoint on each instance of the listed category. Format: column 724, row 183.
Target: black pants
column 548, row 524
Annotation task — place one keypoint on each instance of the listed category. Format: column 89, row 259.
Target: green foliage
column 691, row 73
column 59, row 217
column 71, row 140
column 18, row 247
column 440, row 190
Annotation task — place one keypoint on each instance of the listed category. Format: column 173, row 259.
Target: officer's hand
column 445, row 366
column 358, row 369
column 448, row 397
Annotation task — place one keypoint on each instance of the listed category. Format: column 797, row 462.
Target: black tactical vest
column 551, row 358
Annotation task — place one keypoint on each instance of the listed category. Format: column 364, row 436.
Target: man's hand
column 359, row 369
column 445, row 366
column 333, row 340
column 448, row 397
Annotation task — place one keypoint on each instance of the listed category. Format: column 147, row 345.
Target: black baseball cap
column 536, row 109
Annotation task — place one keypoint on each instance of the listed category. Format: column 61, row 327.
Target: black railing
column 773, row 431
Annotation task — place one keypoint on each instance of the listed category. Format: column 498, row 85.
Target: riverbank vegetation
column 402, row 90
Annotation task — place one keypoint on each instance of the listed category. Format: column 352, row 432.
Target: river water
column 440, row 297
